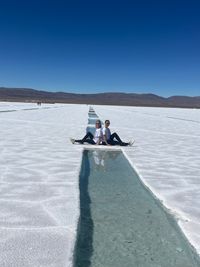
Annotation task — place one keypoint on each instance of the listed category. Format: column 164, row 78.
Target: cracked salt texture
column 39, row 175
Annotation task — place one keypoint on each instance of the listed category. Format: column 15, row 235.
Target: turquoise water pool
column 92, row 115
column 121, row 223
column 90, row 129
column 92, row 121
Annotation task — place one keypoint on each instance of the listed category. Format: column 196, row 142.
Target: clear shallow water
column 92, row 115
column 90, row 129
column 92, row 120
column 121, row 224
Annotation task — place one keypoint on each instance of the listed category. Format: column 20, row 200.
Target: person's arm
column 104, row 137
column 98, row 142
column 99, row 139
column 105, row 140
column 99, row 136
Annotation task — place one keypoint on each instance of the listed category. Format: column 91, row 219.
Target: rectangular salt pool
column 121, row 223
column 92, row 121
column 92, row 114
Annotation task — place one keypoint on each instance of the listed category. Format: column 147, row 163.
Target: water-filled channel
column 121, row 223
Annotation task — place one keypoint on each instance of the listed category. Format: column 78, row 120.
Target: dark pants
column 88, row 138
column 113, row 142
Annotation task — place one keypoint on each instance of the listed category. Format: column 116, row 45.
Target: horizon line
column 96, row 93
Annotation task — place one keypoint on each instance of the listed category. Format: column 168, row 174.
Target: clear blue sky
column 98, row 46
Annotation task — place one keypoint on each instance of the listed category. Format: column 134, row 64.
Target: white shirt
column 106, row 132
column 98, row 158
column 98, row 135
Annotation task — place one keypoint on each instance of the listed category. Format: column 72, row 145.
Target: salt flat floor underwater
column 121, row 223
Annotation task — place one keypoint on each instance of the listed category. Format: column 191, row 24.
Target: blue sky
column 100, row 46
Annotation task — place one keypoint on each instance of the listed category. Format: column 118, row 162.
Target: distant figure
column 89, row 138
column 39, row 103
column 108, row 138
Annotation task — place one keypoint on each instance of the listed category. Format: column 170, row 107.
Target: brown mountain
column 126, row 99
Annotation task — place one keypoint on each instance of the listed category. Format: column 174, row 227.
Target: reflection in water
column 101, row 158
column 121, row 224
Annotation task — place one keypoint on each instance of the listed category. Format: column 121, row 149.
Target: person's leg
column 120, row 142
column 90, row 141
column 116, row 143
column 116, row 136
column 112, row 142
column 124, row 144
column 86, row 138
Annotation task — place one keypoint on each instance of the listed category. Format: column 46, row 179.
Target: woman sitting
column 112, row 139
column 89, row 138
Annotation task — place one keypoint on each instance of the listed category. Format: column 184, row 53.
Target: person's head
column 98, row 124
column 107, row 123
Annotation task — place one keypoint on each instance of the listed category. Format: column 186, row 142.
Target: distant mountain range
column 123, row 99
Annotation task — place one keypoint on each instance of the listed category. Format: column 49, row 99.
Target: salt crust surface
column 39, row 194
column 166, row 154
column 39, row 191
